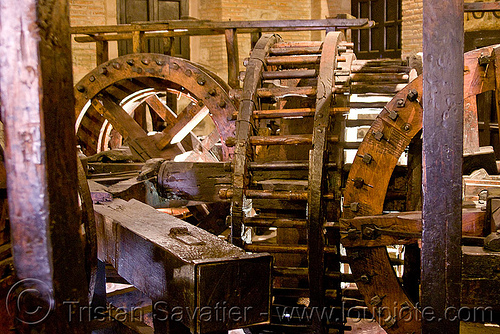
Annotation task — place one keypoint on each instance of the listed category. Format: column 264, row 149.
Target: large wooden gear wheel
column 111, row 96
column 365, row 192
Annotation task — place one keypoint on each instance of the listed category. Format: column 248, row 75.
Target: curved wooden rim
column 208, row 89
column 385, row 142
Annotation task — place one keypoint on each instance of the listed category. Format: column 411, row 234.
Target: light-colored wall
column 209, row 51
column 85, row 13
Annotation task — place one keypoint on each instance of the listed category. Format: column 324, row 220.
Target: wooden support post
column 442, row 161
column 138, row 41
column 233, row 58
column 102, row 52
column 38, row 114
column 496, row 59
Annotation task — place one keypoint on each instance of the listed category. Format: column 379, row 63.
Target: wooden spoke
column 162, row 110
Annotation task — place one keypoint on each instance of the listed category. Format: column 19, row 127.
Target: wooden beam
column 443, row 102
column 38, row 114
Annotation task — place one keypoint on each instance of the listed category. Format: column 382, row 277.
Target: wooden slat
column 287, row 140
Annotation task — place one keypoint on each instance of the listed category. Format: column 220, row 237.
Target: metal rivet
column 80, row 88
column 175, row 66
column 103, row 70
column 212, row 92
column 393, row 115
column 378, row 135
column 201, row 82
column 376, row 300
column 145, row 61
column 189, row 72
column 222, row 104
column 92, row 78
column 412, row 95
column 390, row 321
column 367, row 158
column 354, row 207
column 159, row 62
column 400, row 103
column 407, row 127
column 358, row 182
column 117, row 66
column 364, row 279
column 130, row 62
column 138, row 70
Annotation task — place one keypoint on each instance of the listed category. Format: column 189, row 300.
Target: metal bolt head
column 369, row 232
column 483, row 60
column 390, row 322
column 175, row 66
column 378, row 135
column 80, row 88
column 159, row 62
column 367, row 159
column 201, row 81
column 400, row 103
column 212, row 92
column 407, row 127
column 376, row 300
column 412, row 95
column 245, row 62
column 365, row 279
column 358, row 182
column 189, row 72
column 131, row 62
column 222, row 104
column 103, row 70
column 92, row 78
column 393, row 115
column 354, row 206
column 116, row 66
column 145, row 61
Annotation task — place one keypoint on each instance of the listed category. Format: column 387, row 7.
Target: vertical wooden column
column 233, row 58
column 442, row 164
column 38, row 113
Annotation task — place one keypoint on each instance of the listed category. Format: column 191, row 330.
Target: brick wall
column 411, row 38
column 211, row 51
column 89, row 12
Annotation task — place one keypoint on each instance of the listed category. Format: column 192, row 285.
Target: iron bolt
column 376, row 300
column 400, row 103
column 483, row 60
column 145, row 61
column 367, row 158
column 412, row 95
column 364, row 279
column 393, row 115
column 92, row 78
column 369, row 232
column 175, row 66
column 390, row 321
column 130, row 62
column 201, row 82
column 80, row 88
column 189, row 72
column 407, row 127
column 354, row 207
column 378, row 135
column 117, row 66
column 222, row 104
column 159, row 63
column 103, row 70
column 212, row 92
column 358, row 182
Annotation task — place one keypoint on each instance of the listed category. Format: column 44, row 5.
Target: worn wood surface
column 443, row 119
column 172, row 261
column 37, row 110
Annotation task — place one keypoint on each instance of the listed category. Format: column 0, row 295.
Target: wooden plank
column 496, row 59
column 38, row 113
column 162, row 110
column 443, row 102
column 148, row 247
column 233, row 59
column 291, row 25
column 481, row 6
column 194, row 181
column 102, row 52
column 471, row 126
